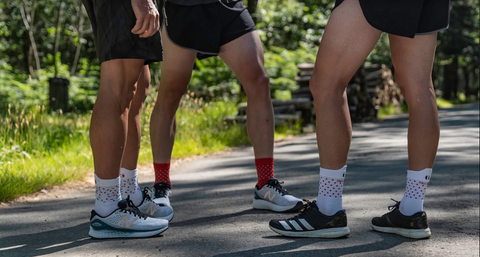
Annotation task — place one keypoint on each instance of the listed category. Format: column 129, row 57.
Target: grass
column 39, row 148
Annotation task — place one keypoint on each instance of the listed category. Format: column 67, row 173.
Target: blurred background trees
column 41, row 38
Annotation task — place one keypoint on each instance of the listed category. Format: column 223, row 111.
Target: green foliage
column 287, row 24
column 213, row 80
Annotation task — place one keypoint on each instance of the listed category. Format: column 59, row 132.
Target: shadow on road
column 205, row 207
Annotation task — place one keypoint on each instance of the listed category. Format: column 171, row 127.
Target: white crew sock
column 330, row 190
column 412, row 201
column 107, row 195
column 129, row 186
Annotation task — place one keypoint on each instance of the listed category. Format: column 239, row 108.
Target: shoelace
column 305, row 208
column 132, row 209
column 395, row 206
column 161, row 191
column 277, row 185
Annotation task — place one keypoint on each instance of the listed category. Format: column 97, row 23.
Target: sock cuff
column 264, row 161
column 107, row 182
column 161, row 166
column 337, row 174
column 126, row 173
column 422, row 175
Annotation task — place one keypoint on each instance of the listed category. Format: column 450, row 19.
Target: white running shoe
column 125, row 222
column 154, row 210
column 272, row 196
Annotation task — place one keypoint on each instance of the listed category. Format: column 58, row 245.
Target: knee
column 258, row 87
column 417, row 90
column 116, row 93
column 327, row 88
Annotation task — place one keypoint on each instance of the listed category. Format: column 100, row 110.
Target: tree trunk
column 450, row 80
column 28, row 21
column 466, row 79
column 57, row 37
column 252, row 8
column 80, row 37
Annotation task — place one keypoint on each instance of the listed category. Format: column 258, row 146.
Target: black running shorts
column 205, row 28
column 406, row 17
column 112, row 22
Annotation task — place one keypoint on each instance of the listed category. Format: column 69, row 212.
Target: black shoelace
column 277, row 185
column 132, row 209
column 160, row 191
column 308, row 206
column 395, row 206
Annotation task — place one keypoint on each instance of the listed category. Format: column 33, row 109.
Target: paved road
column 212, row 201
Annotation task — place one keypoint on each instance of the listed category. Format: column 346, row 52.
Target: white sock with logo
column 330, row 190
column 130, row 187
column 412, row 201
column 107, row 195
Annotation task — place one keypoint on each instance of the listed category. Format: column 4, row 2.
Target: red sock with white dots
column 264, row 170
column 162, row 173
column 412, row 201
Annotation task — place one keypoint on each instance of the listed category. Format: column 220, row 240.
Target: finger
column 145, row 25
column 157, row 23
column 138, row 26
column 151, row 28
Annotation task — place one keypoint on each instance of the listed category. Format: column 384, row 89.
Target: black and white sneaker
column 125, row 222
column 394, row 222
column 162, row 192
column 310, row 222
column 272, row 196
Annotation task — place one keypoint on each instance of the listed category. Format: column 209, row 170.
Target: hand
column 147, row 18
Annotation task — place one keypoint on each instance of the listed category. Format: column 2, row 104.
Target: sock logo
column 269, row 195
column 427, row 178
column 124, row 222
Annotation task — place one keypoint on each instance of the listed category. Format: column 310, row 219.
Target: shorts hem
column 238, row 36
column 187, row 48
column 433, row 31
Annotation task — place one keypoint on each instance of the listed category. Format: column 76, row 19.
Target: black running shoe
column 162, row 193
column 310, row 222
column 394, row 222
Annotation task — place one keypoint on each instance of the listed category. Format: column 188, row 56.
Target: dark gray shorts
column 406, row 17
column 205, row 28
column 112, row 22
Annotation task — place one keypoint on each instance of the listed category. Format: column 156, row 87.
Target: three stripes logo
column 293, row 225
column 125, row 222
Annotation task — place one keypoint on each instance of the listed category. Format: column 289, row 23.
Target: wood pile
column 371, row 88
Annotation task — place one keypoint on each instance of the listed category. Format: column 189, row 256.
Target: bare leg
column 347, row 41
column 176, row 72
column 245, row 57
column 413, row 61
column 132, row 147
column 108, row 130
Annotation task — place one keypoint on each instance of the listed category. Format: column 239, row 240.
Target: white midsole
column 113, row 233
column 321, row 233
column 266, row 205
column 410, row 233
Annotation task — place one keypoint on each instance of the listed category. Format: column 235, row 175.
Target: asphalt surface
column 212, row 201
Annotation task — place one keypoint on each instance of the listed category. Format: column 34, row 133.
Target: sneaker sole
column 168, row 217
column 113, row 233
column 409, row 233
column 321, row 233
column 266, row 205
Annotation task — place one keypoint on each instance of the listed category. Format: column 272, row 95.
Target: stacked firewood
column 371, row 88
